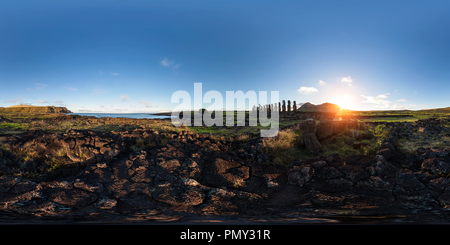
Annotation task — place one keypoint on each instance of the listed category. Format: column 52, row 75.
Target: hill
column 325, row 107
column 307, row 105
column 34, row 109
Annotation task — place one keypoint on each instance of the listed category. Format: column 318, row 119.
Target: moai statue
column 289, row 106
column 270, row 109
column 279, row 106
column 284, row 106
column 295, row 107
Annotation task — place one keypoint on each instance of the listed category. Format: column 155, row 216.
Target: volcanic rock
column 310, row 141
column 308, row 126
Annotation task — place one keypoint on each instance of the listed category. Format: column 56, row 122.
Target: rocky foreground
column 105, row 178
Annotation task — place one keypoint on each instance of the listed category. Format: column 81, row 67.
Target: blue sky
column 131, row 56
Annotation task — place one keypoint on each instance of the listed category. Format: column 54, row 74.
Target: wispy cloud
column 37, row 86
column 403, row 100
column 378, row 100
column 146, row 104
column 13, row 101
column 120, row 110
column 322, row 83
column 166, row 62
column 348, row 80
column 307, row 90
column 101, row 73
column 98, row 91
column 42, row 102
column 70, row 88
column 125, row 98
column 115, row 74
column 58, row 103
column 398, row 107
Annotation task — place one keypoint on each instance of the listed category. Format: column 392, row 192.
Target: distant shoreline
column 162, row 114
column 124, row 115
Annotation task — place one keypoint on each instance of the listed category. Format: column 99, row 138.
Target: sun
column 343, row 101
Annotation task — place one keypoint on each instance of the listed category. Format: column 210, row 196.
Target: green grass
column 411, row 144
column 416, row 115
column 285, row 148
column 391, row 119
column 14, row 126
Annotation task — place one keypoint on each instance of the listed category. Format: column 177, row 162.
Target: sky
column 132, row 56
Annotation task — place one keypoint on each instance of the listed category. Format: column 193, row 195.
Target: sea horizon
column 124, row 115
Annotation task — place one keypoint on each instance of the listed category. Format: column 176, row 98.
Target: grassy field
column 282, row 149
column 33, row 121
column 415, row 115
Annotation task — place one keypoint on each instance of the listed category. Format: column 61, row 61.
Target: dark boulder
column 324, row 129
column 299, row 175
column 186, row 194
column 223, row 173
column 71, row 197
column 310, row 142
column 435, row 165
column 308, row 126
column 353, row 173
column 385, row 152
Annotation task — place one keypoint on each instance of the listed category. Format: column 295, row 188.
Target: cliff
column 34, row 109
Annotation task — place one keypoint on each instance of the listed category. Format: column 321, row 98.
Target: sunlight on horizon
column 344, row 101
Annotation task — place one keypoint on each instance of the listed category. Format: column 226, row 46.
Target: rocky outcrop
column 140, row 181
column 100, row 171
column 202, row 175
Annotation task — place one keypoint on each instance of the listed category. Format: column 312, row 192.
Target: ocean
column 126, row 115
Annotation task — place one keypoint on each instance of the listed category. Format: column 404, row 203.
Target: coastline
column 162, row 114
column 125, row 115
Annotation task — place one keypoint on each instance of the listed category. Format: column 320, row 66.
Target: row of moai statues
column 277, row 107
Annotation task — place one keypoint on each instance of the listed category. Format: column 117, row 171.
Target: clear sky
column 131, row 56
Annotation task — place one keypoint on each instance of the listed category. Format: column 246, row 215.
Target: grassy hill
column 325, row 107
column 33, row 109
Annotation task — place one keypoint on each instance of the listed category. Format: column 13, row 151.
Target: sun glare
column 343, row 101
